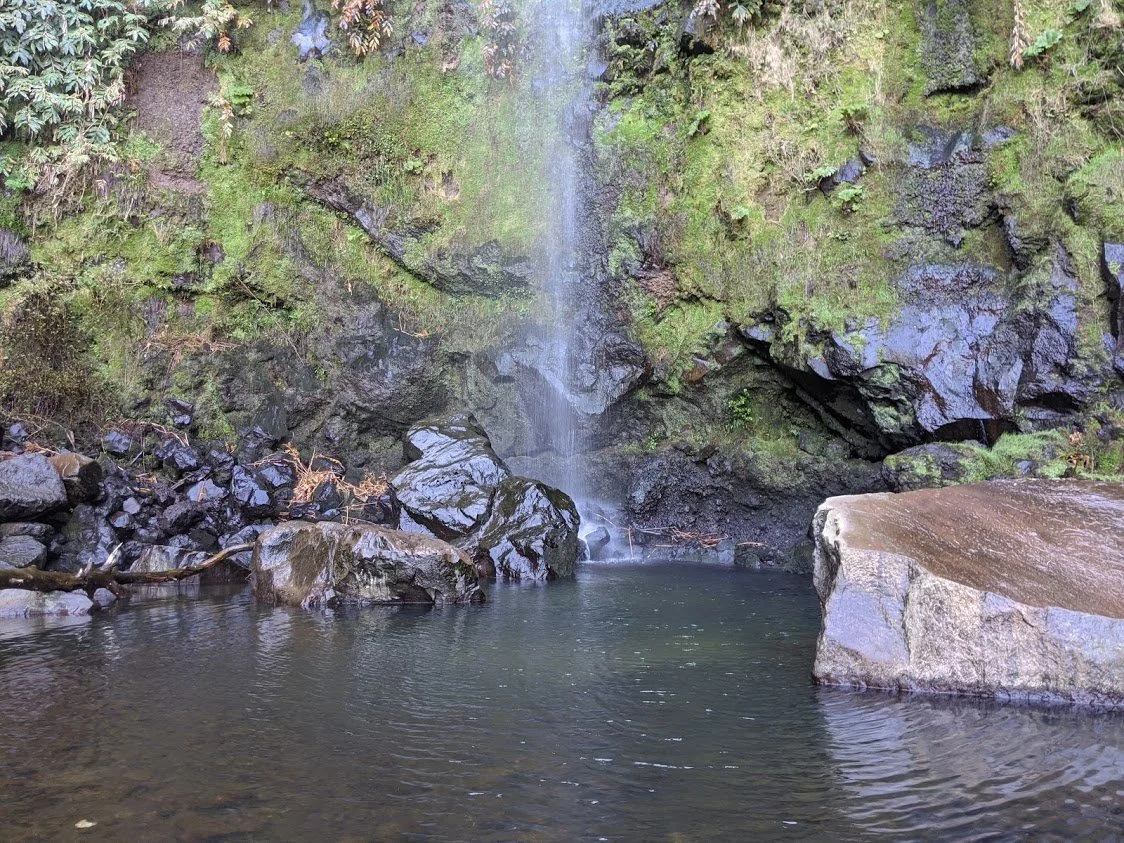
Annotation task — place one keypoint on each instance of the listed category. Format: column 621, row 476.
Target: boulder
column 21, row 552
column 20, row 603
column 29, row 487
column 597, row 541
column 328, row 564
column 448, row 486
column 532, row 533
column 1008, row 589
column 80, row 475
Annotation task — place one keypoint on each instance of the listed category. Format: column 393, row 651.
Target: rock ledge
column 1012, row 589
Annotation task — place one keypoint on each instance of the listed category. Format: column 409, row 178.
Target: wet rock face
column 946, row 187
column 1010, row 589
column 960, row 360
column 328, row 564
column 447, row 487
column 483, row 271
column 532, row 533
column 948, row 46
column 310, row 37
column 1112, row 269
column 15, row 257
column 739, row 507
column 456, row 488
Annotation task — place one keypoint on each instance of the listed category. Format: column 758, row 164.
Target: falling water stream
column 558, row 407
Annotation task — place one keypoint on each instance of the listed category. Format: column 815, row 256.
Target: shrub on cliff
column 62, row 66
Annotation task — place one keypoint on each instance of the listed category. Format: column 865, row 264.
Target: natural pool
column 653, row 702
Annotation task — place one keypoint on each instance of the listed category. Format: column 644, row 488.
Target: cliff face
column 825, row 235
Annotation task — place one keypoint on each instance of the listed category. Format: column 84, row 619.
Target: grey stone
column 103, row 598
column 29, row 487
column 948, row 43
column 532, row 533
column 328, row 564
column 21, row 552
column 448, row 486
column 42, row 532
column 1008, row 589
column 20, row 603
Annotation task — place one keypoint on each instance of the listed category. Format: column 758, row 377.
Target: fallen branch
column 32, row 579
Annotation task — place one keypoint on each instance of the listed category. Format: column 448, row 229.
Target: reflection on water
column 652, row 702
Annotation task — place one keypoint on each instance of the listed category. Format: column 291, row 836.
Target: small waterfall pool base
column 663, row 702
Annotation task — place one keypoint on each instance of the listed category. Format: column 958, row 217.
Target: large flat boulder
column 1012, row 589
column 326, row 564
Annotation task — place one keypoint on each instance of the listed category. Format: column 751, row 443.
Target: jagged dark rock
column 532, row 533
column 455, row 487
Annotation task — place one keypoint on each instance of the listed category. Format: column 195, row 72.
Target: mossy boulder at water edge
column 329, row 564
column 1009, row 589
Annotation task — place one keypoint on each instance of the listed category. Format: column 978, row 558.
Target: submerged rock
column 20, row 603
column 1008, row 589
column 327, row 564
column 29, row 487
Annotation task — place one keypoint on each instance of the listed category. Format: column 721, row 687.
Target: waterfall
column 556, row 407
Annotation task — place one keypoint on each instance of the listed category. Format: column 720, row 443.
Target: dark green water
column 654, row 702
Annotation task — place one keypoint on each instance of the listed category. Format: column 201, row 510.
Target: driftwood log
column 107, row 576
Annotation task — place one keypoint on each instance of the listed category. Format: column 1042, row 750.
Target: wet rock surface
column 1008, row 589
column 948, row 44
column 29, row 487
column 455, row 487
column 960, row 360
column 310, row 37
column 448, row 486
column 18, row 603
column 329, row 564
column 485, row 270
column 532, row 533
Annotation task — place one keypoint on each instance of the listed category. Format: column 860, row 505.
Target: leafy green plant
column 741, row 412
column 62, row 65
column 847, row 197
column 854, row 116
column 216, row 20
column 825, row 171
column 698, row 126
column 1043, row 43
